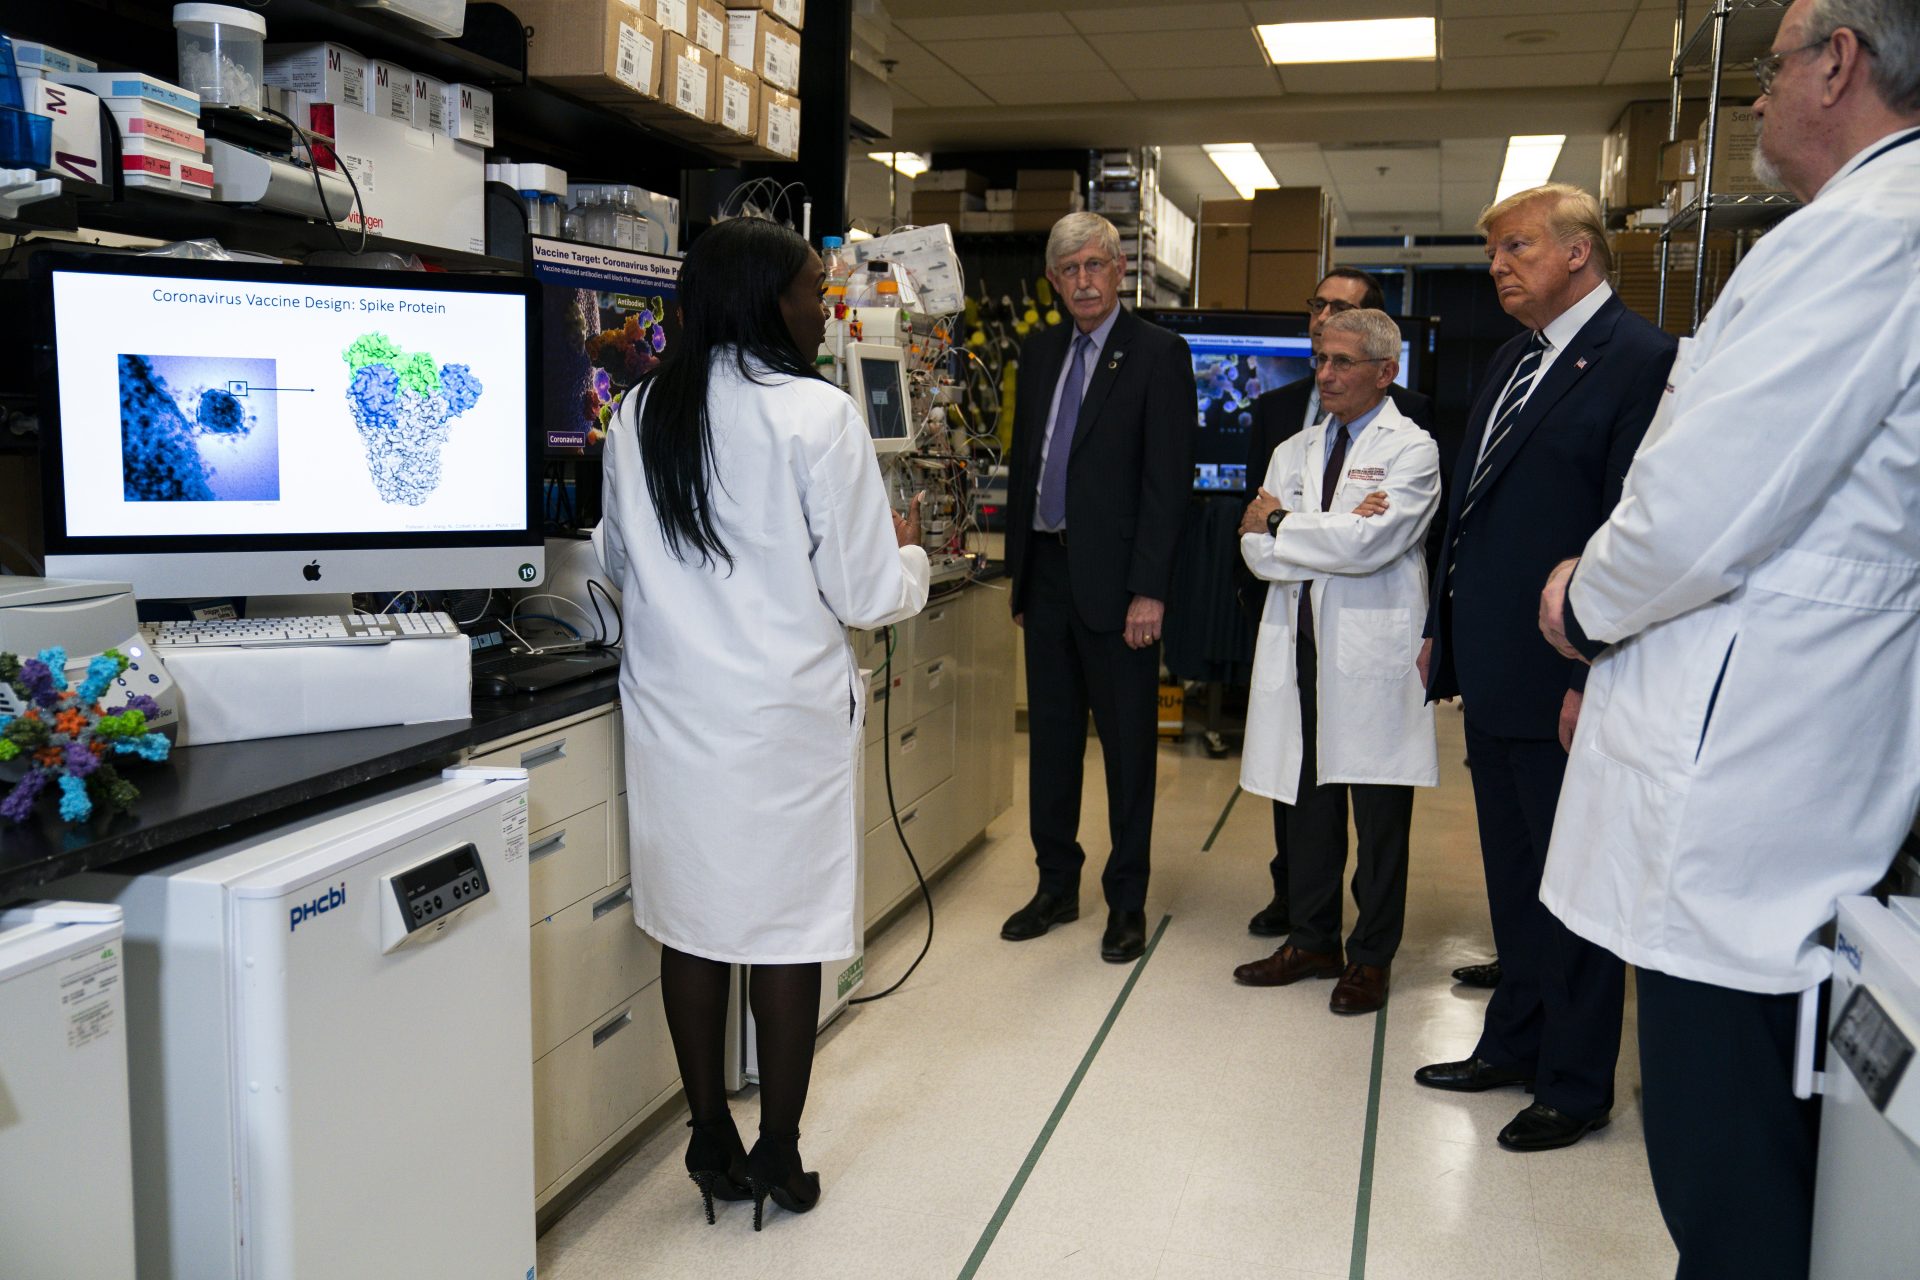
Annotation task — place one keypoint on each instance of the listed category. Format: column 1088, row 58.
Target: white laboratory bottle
column 639, row 226
column 531, row 201
column 551, row 215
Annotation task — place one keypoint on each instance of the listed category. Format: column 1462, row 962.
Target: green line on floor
column 1363, row 1199
column 1215, row 833
column 1059, row 1109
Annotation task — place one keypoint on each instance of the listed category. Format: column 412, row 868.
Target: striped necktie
column 1524, row 376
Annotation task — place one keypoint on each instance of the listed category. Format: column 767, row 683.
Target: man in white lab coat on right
column 1749, row 747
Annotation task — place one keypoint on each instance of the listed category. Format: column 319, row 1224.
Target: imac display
column 608, row 317
column 241, row 429
column 880, row 387
column 1240, row 356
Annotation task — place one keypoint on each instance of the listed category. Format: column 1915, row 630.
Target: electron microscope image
column 199, row 429
column 404, row 407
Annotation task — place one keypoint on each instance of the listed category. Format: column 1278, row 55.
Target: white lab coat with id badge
column 1749, row 747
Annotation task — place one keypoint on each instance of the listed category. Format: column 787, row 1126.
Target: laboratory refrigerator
column 330, row 1041
column 66, row 1159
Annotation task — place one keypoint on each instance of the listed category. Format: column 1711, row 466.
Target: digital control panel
column 436, row 888
column 1874, row 1049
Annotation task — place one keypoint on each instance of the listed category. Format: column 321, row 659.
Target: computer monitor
column 241, row 429
column 1239, row 356
column 878, row 382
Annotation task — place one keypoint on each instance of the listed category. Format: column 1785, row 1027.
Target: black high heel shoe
column 717, row 1162
column 773, row 1169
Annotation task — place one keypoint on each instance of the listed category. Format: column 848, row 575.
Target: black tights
column 786, row 1009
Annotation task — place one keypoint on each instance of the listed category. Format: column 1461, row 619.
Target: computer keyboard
column 256, row 633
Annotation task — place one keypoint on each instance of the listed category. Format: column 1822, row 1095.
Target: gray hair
column 1075, row 232
column 1891, row 28
column 1379, row 335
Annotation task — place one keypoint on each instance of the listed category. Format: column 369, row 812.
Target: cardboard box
column 1281, row 281
column 710, row 26
column 1630, row 152
column 429, row 103
column 779, row 122
column 599, row 49
column 33, row 59
column 951, row 180
column 674, row 16
column 1031, row 222
column 772, row 49
column 1226, row 213
column 736, row 100
column 132, row 89
column 1222, row 285
column 1287, row 220
column 417, row 186
column 324, row 72
column 1736, row 144
column 468, row 113
column 1680, row 160
column 791, row 12
column 690, row 79
column 389, row 91
column 76, row 128
column 939, row 206
column 1049, row 180
column 999, row 199
column 1058, row 203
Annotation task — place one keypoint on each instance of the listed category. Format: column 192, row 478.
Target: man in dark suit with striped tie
column 1546, row 452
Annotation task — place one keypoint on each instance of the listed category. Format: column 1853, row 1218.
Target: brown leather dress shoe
column 1288, row 964
column 1361, row 989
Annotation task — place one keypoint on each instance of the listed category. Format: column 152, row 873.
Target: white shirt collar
column 1561, row 330
column 1101, row 332
column 1859, row 157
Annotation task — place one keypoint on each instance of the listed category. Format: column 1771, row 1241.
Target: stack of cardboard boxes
column 1038, row 199
column 1263, row 254
column 720, row 74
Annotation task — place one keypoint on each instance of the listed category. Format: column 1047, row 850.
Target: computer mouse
column 493, row 685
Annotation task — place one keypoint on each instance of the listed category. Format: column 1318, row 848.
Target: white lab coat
column 739, row 690
column 1368, row 576
column 1749, row 749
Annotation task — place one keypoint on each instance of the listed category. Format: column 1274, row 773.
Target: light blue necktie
column 1053, row 481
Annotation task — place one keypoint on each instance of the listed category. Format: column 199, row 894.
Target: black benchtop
column 203, row 789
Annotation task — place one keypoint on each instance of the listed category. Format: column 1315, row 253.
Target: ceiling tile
column 902, row 98
column 944, row 90
column 1529, row 72
column 1639, row 66
column 1346, row 10
column 1361, row 77
column 1555, row 33
column 1507, row 8
column 1051, row 55
column 1650, row 29
column 912, row 57
column 1580, row 162
column 1146, row 51
column 1402, row 164
column 1218, row 82
column 1160, row 17
column 1000, row 26
column 1066, row 86
column 1297, row 166
column 1460, row 156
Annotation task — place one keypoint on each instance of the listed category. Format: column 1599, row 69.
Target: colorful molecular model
column 404, row 407
column 68, row 738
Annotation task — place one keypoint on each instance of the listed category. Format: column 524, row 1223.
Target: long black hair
column 730, row 287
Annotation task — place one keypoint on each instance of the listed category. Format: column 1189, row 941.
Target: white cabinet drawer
column 600, row 1078
column 567, row 770
column 922, row 760
column 869, row 647
column 933, row 631
column 933, row 683
column 567, row 861
column 880, row 690
column 586, row 959
column 620, row 847
column 889, row 877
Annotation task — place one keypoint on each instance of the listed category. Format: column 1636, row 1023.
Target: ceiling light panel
column 1369, row 40
column 1242, row 166
column 1530, row 161
column 908, row 164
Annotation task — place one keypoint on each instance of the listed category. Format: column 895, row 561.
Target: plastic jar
column 221, row 49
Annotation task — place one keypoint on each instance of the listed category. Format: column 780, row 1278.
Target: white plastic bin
column 447, row 18
column 220, row 52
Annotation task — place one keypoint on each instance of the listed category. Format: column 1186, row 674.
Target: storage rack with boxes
column 1263, row 254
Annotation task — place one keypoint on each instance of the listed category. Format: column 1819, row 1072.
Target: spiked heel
column 774, row 1172
column 717, row 1162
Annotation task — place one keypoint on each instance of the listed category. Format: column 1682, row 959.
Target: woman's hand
column 907, row 532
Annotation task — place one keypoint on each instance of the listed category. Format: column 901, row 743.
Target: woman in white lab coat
column 747, row 527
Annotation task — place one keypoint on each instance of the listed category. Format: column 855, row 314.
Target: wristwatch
column 1274, row 518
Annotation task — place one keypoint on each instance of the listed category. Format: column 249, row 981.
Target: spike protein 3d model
column 68, row 738
column 404, row 407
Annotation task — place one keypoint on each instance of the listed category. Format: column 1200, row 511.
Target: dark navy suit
column 1549, row 484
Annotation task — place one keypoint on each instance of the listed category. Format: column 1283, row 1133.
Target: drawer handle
column 936, row 617
column 549, row 846
column 907, row 818
column 936, row 668
column 908, row 737
column 555, row 750
column 613, row 1028
column 612, row 902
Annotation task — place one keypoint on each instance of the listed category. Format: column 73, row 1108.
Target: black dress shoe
column 1470, row 1075
column 1125, row 938
column 1273, row 920
column 1478, row 975
column 1544, row 1128
column 1038, row 916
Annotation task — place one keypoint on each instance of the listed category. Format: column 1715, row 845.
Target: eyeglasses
column 1317, row 305
column 1091, row 267
column 1766, row 68
column 1341, row 364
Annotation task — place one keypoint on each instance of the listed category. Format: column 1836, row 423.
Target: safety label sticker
column 88, row 982
column 513, row 827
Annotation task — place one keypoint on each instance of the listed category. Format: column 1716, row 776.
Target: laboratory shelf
column 1750, row 28
column 1733, row 213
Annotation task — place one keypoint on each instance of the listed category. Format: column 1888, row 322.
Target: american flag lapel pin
column 1581, row 363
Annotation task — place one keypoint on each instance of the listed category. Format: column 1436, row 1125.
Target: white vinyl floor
column 1025, row 1110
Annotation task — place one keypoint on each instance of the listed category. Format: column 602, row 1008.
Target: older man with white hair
column 1749, row 752
column 1102, row 465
